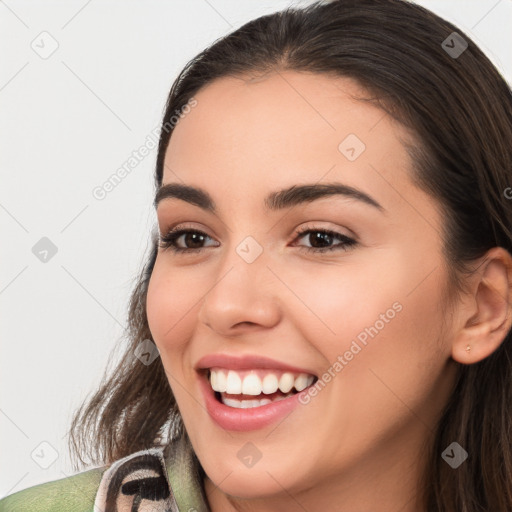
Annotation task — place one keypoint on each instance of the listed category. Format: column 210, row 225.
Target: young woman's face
column 364, row 318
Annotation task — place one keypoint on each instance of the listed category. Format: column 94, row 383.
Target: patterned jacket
column 161, row 479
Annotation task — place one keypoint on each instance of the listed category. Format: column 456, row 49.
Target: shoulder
column 119, row 486
column 75, row 493
column 147, row 478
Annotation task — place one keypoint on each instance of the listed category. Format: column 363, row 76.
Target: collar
column 166, row 478
column 185, row 475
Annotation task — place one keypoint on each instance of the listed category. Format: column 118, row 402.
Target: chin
column 264, row 479
column 249, row 485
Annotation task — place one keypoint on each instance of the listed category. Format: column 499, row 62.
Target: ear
column 487, row 314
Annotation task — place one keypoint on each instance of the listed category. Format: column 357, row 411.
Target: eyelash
column 169, row 240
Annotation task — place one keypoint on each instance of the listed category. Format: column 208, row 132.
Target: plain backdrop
column 82, row 85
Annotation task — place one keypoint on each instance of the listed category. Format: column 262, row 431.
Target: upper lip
column 245, row 362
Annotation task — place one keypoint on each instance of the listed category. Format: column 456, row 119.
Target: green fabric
column 183, row 471
column 72, row 494
column 77, row 493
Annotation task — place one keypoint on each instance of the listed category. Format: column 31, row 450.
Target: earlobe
column 484, row 331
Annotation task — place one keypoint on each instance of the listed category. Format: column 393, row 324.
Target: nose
column 242, row 296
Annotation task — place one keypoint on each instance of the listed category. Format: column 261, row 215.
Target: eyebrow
column 277, row 200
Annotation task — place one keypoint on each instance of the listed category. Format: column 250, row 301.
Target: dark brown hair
column 460, row 110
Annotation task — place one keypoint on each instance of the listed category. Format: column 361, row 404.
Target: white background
column 67, row 124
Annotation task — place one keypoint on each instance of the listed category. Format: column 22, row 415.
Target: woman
column 324, row 319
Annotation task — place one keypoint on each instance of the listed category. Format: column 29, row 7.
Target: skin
column 359, row 444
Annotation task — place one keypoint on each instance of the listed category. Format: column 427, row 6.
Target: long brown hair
column 460, row 109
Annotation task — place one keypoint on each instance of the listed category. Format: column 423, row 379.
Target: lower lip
column 231, row 418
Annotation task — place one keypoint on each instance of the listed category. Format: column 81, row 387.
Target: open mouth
column 255, row 388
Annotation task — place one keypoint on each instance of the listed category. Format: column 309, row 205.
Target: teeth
column 270, row 384
column 251, row 385
column 286, row 382
column 234, row 383
column 220, row 381
column 301, row 382
column 213, row 379
column 249, row 404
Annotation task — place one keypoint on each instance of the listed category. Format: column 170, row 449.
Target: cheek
column 342, row 303
column 371, row 325
column 390, row 364
column 169, row 308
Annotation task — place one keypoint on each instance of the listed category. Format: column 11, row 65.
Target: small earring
column 468, row 348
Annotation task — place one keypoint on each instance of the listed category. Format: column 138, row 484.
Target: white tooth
column 232, row 402
column 249, row 404
column 270, row 384
column 301, row 382
column 213, row 380
column 233, row 383
column 220, row 381
column 251, row 385
column 286, row 382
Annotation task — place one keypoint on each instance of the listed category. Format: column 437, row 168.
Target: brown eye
column 320, row 239
column 192, row 239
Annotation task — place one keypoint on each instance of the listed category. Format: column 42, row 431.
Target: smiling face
column 368, row 313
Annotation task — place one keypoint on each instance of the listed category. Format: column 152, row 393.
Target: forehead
column 286, row 114
column 247, row 136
